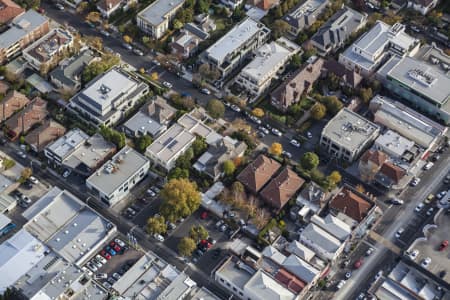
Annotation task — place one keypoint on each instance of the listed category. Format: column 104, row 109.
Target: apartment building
column 234, row 47
column 422, row 6
column 154, row 19
column 23, row 30
column 304, row 15
column 256, row 77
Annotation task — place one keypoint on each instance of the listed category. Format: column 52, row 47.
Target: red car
column 105, row 254
column 443, row 245
column 205, row 243
column 204, row 215
column 115, row 247
column 358, row 263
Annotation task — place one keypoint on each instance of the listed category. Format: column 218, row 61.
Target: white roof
column 263, row 287
column 320, row 239
column 300, row 268
column 392, row 142
column 4, row 220
column 18, row 255
column 333, row 225
column 300, row 250
column 274, row 254
column 66, row 144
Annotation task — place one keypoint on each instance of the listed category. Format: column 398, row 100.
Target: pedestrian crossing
column 386, row 243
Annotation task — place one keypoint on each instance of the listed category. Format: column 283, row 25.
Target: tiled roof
column 351, row 204
column 9, row 10
column 290, row 281
column 377, row 157
column 4, row 87
column 282, row 188
column 13, row 102
column 34, row 113
column 45, row 134
column 392, row 171
column 350, row 77
column 258, row 173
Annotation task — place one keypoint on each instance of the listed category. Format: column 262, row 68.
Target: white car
column 263, row 129
column 59, row 6
column 205, row 91
column 295, row 143
column 430, row 211
column 151, row 193
column 340, row 284
column 370, row 251
column 419, row 207
column 413, row 255
column 415, row 181
column 441, row 195
column 100, row 259
column 96, row 263
column 158, row 237
column 309, row 135
column 167, row 84
column 276, row 132
column 287, row 154
column 33, row 180
column 87, row 271
column 105, row 33
column 116, row 276
column 428, row 166
column 21, row 154
column 119, row 242
column 397, row 201
column 138, row 52
column 235, row 108
column 426, row 262
column 379, row 274
column 399, row 232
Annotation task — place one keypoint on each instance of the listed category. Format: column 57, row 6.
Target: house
column 348, row 78
column 351, row 203
column 347, row 135
column 312, row 196
column 67, row 75
column 21, row 32
column 269, row 59
column 422, row 6
column 302, row 269
column 4, row 87
column 301, row 83
column 389, row 175
column 304, row 15
column 258, row 173
column 13, row 102
column 423, row 84
column 370, row 163
column 78, row 152
column 154, row 19
column 152, row 119
column 9, row 10
column 233, row 4
column 336, row 31
column 371, row 49
column 325, row 245
column 108, row 7
column 40, row 137
column 232, row 49
column 211, row 162
column 46, row 51
column 282, row 188
column 333, row 225
column 34, row 113
column 290, row 281
column 107, row 98
column 186, row 43
column 195, row 122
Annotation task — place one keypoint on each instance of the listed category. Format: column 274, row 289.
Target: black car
column 135, row 208
column 17, row 194
column 28, row 185
column 199, row 252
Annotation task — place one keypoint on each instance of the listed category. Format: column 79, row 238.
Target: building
column 393, row 144
column 325, row 245
column 69, row 227
column 23, row 30
column 67, row 75
column 4, row 87
column 45, row 134
column 422, row 6
column 186, row 43
column 107, row 98
column 312, row 197
column 34, row 113
column 46, row 51
column 301, row 83
column 348, row 78
column 258, row 173
column 347, row 135
column 371, row 50
column 336, row 31
column 390, row 175
column 304, row 15
column 9, row 10
column 78, row 152
column 235, row 46
column 13, row 102
column 211, row 162
column 154, row 19
column 152, row 119
column 351, row 203
column 195, row 122
column 423, row 85
column 108, row 7
column 20, row 253
column 118, row 176
column 233, row 4
column 370, row 163
column 282, row 188
column 269, row 59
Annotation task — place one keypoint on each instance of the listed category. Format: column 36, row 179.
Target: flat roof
column 48, row 45
column 235, row 272
column 66, row 144
column 333, row 226
column 349, row 129
column 178, row 288
column 394, row 142
column 142, row 122
column 156, row 12
column 304, row 9
column 203, row 294
column 234, row 39
column 123, row 165
column 194, row 122
column 18, row 255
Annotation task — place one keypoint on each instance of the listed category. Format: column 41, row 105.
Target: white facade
column 422, row 6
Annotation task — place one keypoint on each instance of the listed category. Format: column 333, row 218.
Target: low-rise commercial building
column 371, row 50
column 114, row 180
column 107, row 98
column 154, row 20
column 304, row 15
column 256, row 77
column 347, row 135
column 325, row 245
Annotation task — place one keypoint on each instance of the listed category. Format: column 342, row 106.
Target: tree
column 186, row 246
column 296, row 61
column 118, row 138
column 199, row 146
column 261, row 218
column 93, row 17
column 332, row 104
column 82, row 7
column 94, row 41
column 99, row 67
column 215, row 108
column 154, row 76
column 25, row 174
column 309, row 161
column 278, row 12
column 335, row 177
column 198, row 233
column 142, row 71
column 318, row 111
column 276, row 149
column 237, row 187
column 180, row 199
column 143, row 142
column 229, row 167
column 157, row 225
column 258, row 112
column 127, row 39
column 366, row 94
column 145, row 39
column 280, row 27
column 360, row 188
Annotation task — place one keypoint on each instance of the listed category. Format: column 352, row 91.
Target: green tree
column 156, row 225
column 318, row 111
column 99, row 67
column 237, row 187
column 199, row 146
column 279, row 28
column 186, row 246
column 177, row 173
column 296, row 60
column 335, row 177
column 198, row 233
column 25, row 174
column 366, row 94
column 177, row 24
column 180, row 199
column 143, row 142
column 332, row 104
column 215, row 108
column 278, row 12
column 184, row 161
column 202, row 6
column 309, row 161
column 229, row 167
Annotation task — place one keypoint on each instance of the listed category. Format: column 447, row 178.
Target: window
column 228, row 284
column 234, row 289
column 221, row 279
column 240, row 293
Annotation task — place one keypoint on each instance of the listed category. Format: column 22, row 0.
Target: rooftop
column 12, row 102
column 393, row 143
column 300, row 268
column 349, row 129
column 304, row 9
column 258, row 173
column 320, row 239
column 194, row 122
column 9, row 10
column 262, row 286
column 178, row 288
column 69, row 71
column 157, row 12
column 43, row 135
column 351, row 204
column 68, row 143
column 48, row 46
column 203, row 294
column 236, row 272
column 123, row 165
column 333, row 225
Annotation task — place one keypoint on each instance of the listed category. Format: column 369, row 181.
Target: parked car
column 138, row 52
column 443, row 245
column 105, row 254
column 358, row 263
column 167, row 84
column 441, row 195
column 415, row 181
column 426, row 262
column 286, row 154
column 120, row 242
column 430, row 211
column 370, row 251
column 101, row 259
column 33, row 180
column 158, row 237
column 204, row 215
column 396, row 201
column 105, row 33
column 419, row 207
column 110, row 250
column 263, row 129
column 91, row 267
column 429, row 199
column 60, row 6
column 309, row 135
column 66, row 173
column 379, row 274
column 127, row 46
column 295, row 143
column 428, row 166
column 276, row 132
column 219, row 223
column 223, row 228
column 413, row 255
column 22, row 155
column 399, row 232
column 87, row 271
column 447, row 179
column 25, row 199
column 348, row 275
column 205, row 91
column 116, row 276
column 107, row 285
column 100, row 276
column 235, row 108
column 96, row 263
column 340, row 284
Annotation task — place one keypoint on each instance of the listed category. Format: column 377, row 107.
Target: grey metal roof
column 195, row 30
column 141, row 122
column 156, row 12
column 66, row 72
column 68, row 143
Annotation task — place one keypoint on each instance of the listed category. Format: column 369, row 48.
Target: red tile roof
column 290, row 281
column 377, row 157
column 9, row 10
column 45, row 134
column 282, row 188
column 351, row 204
column 4, row 87
column 13, row 102
column 21, row 122
column 258, row 173
column 392, row 171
